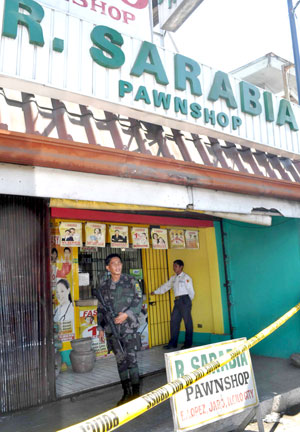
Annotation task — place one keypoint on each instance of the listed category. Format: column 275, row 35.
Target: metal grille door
column 26, row 342
column 155, row 269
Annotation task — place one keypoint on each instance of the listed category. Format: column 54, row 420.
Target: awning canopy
column 44, row 132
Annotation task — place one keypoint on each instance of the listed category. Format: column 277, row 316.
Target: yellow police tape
column 116, row 417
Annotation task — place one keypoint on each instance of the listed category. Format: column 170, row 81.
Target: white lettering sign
column 62, row 56
column 131, row 17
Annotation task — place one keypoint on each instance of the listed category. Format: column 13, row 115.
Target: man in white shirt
column 182, row 285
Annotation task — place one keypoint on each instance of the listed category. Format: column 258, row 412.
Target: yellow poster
column 177, row 238
column 140, row 238
column 70, row 234
column 62, row 287
column 192, row 239
column 119, row 236
column 95, row 234
column 159, row 238
column 88, row 328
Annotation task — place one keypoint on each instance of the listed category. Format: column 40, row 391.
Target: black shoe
column 135, row 391
column 186, row 346
column 168, row 347
column 124, row 399
column 127, row 393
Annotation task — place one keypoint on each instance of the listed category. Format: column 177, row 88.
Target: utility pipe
column 291, row 11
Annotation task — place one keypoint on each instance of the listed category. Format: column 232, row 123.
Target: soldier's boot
column 127, row 394
column 135, row 390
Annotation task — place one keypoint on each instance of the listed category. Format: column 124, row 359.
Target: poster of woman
column 64, row 312
column 70, row 234
column 95, row 234
column 61, row 259
column 119, row 236
column 140, row 239
column 177, row 239
column 192, row 239
column 159, row 238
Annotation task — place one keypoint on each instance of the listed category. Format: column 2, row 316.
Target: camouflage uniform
column 123, row 296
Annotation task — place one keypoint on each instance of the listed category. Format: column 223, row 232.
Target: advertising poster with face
column 95, row 234
column 192, row 239
column 140, row 238
column 70, row 234
column 119, row 236
column 62, row 287
column 64, row 311
column 177, row 239
column 159, row 238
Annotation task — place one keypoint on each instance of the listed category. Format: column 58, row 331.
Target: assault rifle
column 109, row 315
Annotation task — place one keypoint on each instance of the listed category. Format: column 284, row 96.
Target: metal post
column 295, row 45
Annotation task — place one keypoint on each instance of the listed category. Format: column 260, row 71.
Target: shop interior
column 82, row 266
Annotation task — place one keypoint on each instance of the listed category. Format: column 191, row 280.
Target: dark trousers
column 182, row 310
column 126, row 361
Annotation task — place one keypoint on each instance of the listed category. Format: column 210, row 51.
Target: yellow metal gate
column 155, row 268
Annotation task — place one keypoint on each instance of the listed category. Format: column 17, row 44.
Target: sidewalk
column 277, row 381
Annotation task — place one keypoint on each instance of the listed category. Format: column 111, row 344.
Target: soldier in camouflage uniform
column 123, row 293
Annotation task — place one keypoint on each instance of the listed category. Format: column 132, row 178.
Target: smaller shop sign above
column 130, row 16
column 173, row 13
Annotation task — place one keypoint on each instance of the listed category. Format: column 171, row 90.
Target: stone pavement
column 275, row 422
column 278, row 384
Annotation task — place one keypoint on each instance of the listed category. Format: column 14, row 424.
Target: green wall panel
column 264, row 273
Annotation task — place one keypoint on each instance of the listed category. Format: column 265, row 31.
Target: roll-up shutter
column 26, row 342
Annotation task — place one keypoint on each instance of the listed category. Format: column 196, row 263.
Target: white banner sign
column 226, row 391
column 61, row 56
column 131, row 17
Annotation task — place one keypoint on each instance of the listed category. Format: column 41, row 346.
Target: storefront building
column 140, row 143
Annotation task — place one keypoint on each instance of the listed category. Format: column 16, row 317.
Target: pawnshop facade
column 66, row 157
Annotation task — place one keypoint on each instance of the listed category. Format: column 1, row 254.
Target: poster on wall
column 62, row 287
column 192, row 239
column 159, row 238
column 140, row 238
column 119, row 236
column 88, row 328
column 95, row 234
column 64, row 311
column 70, row 234
column 177, row 239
